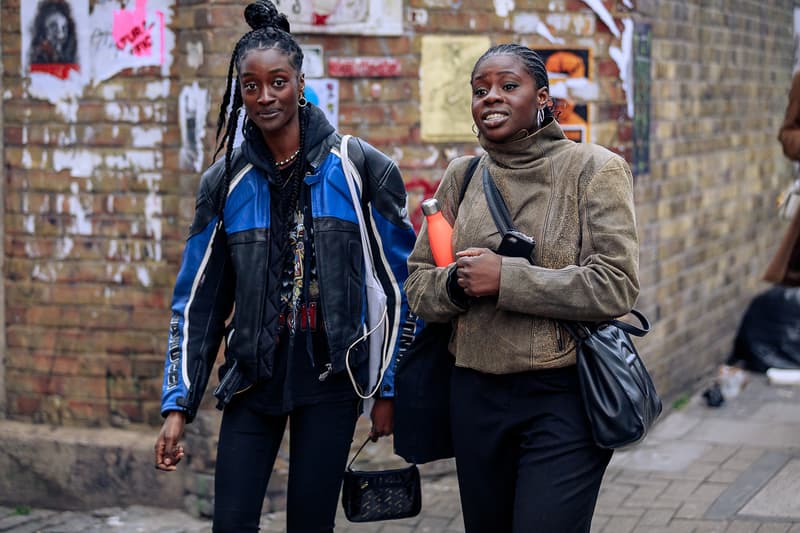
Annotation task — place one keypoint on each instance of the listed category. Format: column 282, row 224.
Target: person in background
column 789, row 134
column 784, row 266
column 274, row 265
column 525, row 457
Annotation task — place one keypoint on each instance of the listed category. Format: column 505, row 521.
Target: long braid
column 289, row 203
column 226, row 103
column 230, row 134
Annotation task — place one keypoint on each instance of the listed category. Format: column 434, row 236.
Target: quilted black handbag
column 618, row 393
column 370, row 496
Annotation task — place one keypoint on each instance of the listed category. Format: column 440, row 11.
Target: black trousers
column 320, row 437
column 525, row 457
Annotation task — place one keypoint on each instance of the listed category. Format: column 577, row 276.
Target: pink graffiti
column 130, row 30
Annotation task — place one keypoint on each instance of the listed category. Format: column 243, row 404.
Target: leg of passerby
column 560, row 468
column 320, row 436
column 484, row 449
column 248, row 445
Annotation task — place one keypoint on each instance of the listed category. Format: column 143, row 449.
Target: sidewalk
column 733, row 469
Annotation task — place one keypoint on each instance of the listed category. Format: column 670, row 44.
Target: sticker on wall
column 54, row 51
column 568, row 70
column 324, row 93
column 445, row 95
column 357, row 17
column 192, row 112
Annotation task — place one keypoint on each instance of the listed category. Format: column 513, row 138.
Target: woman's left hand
column 478, row 271
column 382, row 418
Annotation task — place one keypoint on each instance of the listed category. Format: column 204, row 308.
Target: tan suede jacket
column 576, row 201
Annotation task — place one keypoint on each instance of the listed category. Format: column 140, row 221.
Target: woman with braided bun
column 525, row 457
column 274, row 266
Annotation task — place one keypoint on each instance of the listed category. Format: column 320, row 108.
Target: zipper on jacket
column 559, row 338
column 328, row 366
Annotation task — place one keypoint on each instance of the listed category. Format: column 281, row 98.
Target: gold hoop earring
column 302, row 102
column 475, row 130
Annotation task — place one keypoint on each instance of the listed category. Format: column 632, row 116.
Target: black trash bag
column 769, row 333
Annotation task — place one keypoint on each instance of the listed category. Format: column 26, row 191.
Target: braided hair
column 531, row 61
column 270, row 29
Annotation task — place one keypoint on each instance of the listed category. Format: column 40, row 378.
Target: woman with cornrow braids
column 525, row 456
column 274, row 266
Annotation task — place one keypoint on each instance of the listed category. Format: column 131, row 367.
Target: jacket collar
column 525, row 151
column 317, row 130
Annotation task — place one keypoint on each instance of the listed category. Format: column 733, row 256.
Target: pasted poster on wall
column 568, row 70
column 54, row 47
column 129, row 37
column 324, row 93
column 192, row 112
column 445, row 95
column 359, row 17
column 642, row 44
column 66, row 46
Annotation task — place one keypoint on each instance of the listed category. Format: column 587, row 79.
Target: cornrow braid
column 532, row 62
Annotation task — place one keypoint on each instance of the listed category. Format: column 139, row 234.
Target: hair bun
column 263, row 14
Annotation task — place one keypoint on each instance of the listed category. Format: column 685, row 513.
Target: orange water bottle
column 439, row 233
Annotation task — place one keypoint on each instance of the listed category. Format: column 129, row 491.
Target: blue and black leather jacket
column 230, row 265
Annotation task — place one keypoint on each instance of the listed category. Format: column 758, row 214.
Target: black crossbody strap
column 497, row 206
column 630, row 328
column 467, row 178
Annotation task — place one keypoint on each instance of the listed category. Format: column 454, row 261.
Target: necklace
column 288, row 159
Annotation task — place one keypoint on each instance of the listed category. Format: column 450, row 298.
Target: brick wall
column 722, row 71
column 97, row 202
column 2, row 268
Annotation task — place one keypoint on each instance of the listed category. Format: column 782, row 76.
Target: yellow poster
column 445, row 91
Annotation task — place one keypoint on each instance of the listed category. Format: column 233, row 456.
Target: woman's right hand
column 168, row 449
column 478, row 271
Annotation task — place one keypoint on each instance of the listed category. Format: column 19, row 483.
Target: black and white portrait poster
column 54, row 45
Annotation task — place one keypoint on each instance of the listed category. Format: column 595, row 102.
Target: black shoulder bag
column 618, row 394
column 422, row 386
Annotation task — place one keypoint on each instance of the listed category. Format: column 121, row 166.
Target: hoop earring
column 302, row 102
column 540, row 117
column 475, row 130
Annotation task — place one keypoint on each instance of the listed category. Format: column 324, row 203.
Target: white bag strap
column 353, row 180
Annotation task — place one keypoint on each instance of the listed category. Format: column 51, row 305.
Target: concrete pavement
column 733, row 469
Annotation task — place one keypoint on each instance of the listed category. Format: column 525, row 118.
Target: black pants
column 320, row 437
column 525, row 457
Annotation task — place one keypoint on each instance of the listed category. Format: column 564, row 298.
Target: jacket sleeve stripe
column 213, row 227
column 186, row 312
